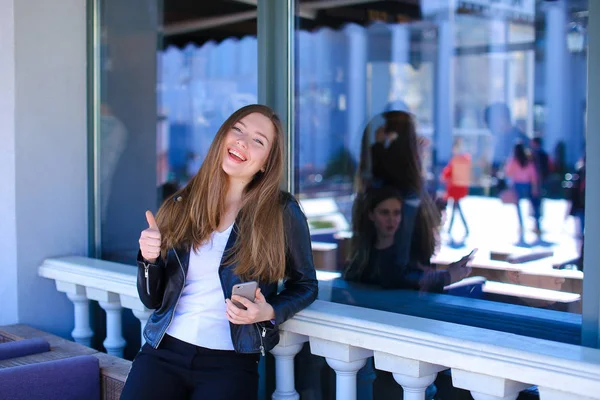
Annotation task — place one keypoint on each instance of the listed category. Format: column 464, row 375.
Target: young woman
column 374, row 258
column 230, row 224
column 521, row 170
column 396, row 163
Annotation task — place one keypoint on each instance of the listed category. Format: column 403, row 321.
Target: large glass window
column 170, row 73
column 426, row 132
column 425, row 100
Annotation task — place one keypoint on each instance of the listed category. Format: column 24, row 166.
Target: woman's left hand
column 256, row 311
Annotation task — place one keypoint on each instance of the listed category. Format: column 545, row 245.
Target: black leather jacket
column 160, row 286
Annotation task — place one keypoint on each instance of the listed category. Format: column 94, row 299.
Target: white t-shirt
column 200, row 317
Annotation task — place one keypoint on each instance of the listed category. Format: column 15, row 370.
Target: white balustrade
column 423, row 347
column 490, row 364
column 111, row 284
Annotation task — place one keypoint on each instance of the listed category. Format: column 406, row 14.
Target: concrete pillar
column 499, row 86
column 444, row 91
column 556, row 64
column 357, row 78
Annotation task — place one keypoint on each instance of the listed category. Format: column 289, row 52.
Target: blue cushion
column 20, row 348
column 66, row 379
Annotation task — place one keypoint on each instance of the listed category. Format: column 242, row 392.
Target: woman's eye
column 235, row 128
column 259, row 142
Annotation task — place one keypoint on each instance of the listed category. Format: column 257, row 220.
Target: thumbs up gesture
column 150, row 240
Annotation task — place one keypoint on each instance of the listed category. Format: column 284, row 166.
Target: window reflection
column 478, row 82
column 426, row 132
column 168, row 80
column 166, row 87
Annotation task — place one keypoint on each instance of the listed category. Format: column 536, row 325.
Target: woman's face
column 386, row 217
column 247, row 146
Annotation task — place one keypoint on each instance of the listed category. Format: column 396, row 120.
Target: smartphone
column 472, row 253
column 468, row 257
column 247, row 290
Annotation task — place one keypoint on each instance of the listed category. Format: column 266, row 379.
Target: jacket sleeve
column 301, row 286
column 151, row 281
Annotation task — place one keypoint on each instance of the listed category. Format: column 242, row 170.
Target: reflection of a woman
column 374, row 261
column 395, row 162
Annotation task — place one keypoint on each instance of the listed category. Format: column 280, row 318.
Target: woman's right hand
column 459, row 270
column 150, row 240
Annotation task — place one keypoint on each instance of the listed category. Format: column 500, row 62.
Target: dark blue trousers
column 179, row 370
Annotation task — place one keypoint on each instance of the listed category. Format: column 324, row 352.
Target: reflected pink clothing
column 520, row 174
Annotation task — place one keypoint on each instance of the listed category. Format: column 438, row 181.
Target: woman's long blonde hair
column 188, row 219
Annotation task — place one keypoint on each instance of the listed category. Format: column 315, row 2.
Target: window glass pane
column 472, row 82
column 128, row 122
column 168, row 80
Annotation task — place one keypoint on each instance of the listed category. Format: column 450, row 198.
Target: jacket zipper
column 261, row 336
column 147, row 278
column 178, row 297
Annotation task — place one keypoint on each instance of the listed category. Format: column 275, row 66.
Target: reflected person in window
column 229, row 224
column 374, row 254
column 457, row 176
column 520, row 169
column 397, row 163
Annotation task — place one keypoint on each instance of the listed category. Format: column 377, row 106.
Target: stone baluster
column 82, row 332
column 345, row 360
column 289, row 345
column 111, row 303
column 413, row 375
column 345, row 376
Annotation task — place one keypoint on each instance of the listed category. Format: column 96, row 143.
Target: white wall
column 46, row 201
column 8, row 230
